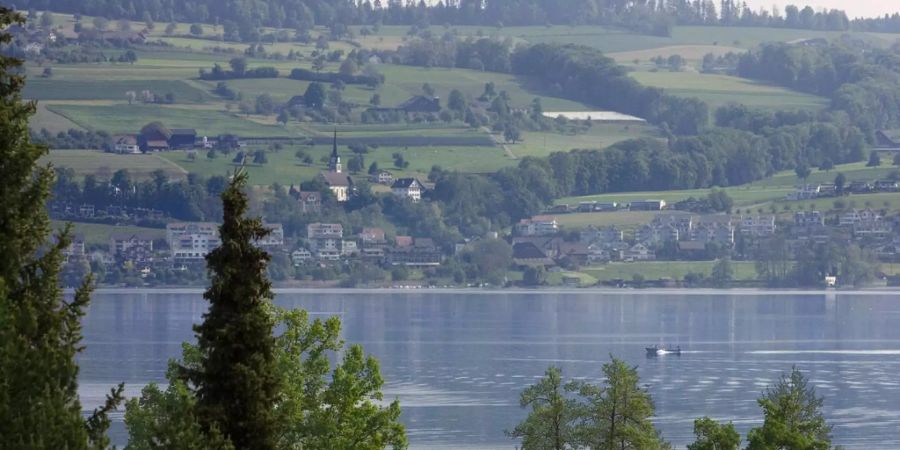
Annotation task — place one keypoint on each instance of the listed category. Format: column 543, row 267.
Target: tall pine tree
column 236, row 380
column 40, row 331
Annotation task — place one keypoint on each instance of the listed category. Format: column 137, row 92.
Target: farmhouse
column 126, row 144
column 157, row 137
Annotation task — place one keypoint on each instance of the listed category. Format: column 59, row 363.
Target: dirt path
column 499, row 141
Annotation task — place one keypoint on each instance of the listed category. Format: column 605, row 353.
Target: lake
column 458, row 360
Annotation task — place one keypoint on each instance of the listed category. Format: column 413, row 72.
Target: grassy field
column 51, row 121
column 718, row 90
column 96, row 234
column 85, row 162
column 283, row 166
column 691, row 53
column 742, row 195
column 623, row 219
column 50, row 89
column 654, row 270
column 130, row 118
column 599, row 136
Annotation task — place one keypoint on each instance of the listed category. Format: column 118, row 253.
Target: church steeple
column 334, row 164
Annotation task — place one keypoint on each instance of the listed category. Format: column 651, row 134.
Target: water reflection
column 458, row 361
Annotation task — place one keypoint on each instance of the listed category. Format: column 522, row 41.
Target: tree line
column 860, row 79
column 616, row 414
column 242, row 19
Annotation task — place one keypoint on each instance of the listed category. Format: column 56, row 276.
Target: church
column 340, row 184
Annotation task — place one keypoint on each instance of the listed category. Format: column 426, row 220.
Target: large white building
column 537, row 226
column 192, row 241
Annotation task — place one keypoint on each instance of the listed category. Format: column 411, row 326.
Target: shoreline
column 549, row 291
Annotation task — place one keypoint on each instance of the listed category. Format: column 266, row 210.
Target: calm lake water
column 458, row 360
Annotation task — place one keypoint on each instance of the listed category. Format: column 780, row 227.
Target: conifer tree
column 236, row 380
column 40, row 331
column 241, row 387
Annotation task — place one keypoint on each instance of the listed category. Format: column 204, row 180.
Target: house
column 154, row 137
column 301, row 256
column 537, row 226
column 383, row 177
column 422, row 253
column 310, row 201
column 828, row 190
column 639, row 252
column 601, row 235
column 340, row 184
column 757, row 226
column 373, row 254
column 561, row 209
column 887, row 138
column 349, row 248
column 133, row 248
column 647, row 205
column 157, row 137
column 683, row 222
column 403, row 241
column 886, row 186
column 860, row 187
column 325, row 236
column 126, row 144
column 328, row 254
column 76, row 250
column 808, row 218
column 713, row 229
column 192, row 241
column 86, row 210
column 275, row 238
column 855, row 217
column 372, row 237
column 528, row 254
column 410, row 188
column 657, row 234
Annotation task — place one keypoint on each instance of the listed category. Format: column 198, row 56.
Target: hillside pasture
column 691, row 53
column 130, row 118
column 52, row 89
column 719, row 90
column 95, row 162
column 599, row 136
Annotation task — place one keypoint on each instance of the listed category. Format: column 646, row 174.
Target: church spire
column 334, row 164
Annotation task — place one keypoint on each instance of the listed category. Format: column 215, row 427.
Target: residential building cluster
column 326, row 242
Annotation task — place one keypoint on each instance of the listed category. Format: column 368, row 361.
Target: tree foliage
column 40, row 331
column 792, row 417
column 243, row 387
column 714, row 436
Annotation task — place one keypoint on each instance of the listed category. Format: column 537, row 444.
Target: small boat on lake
column 657, row 350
